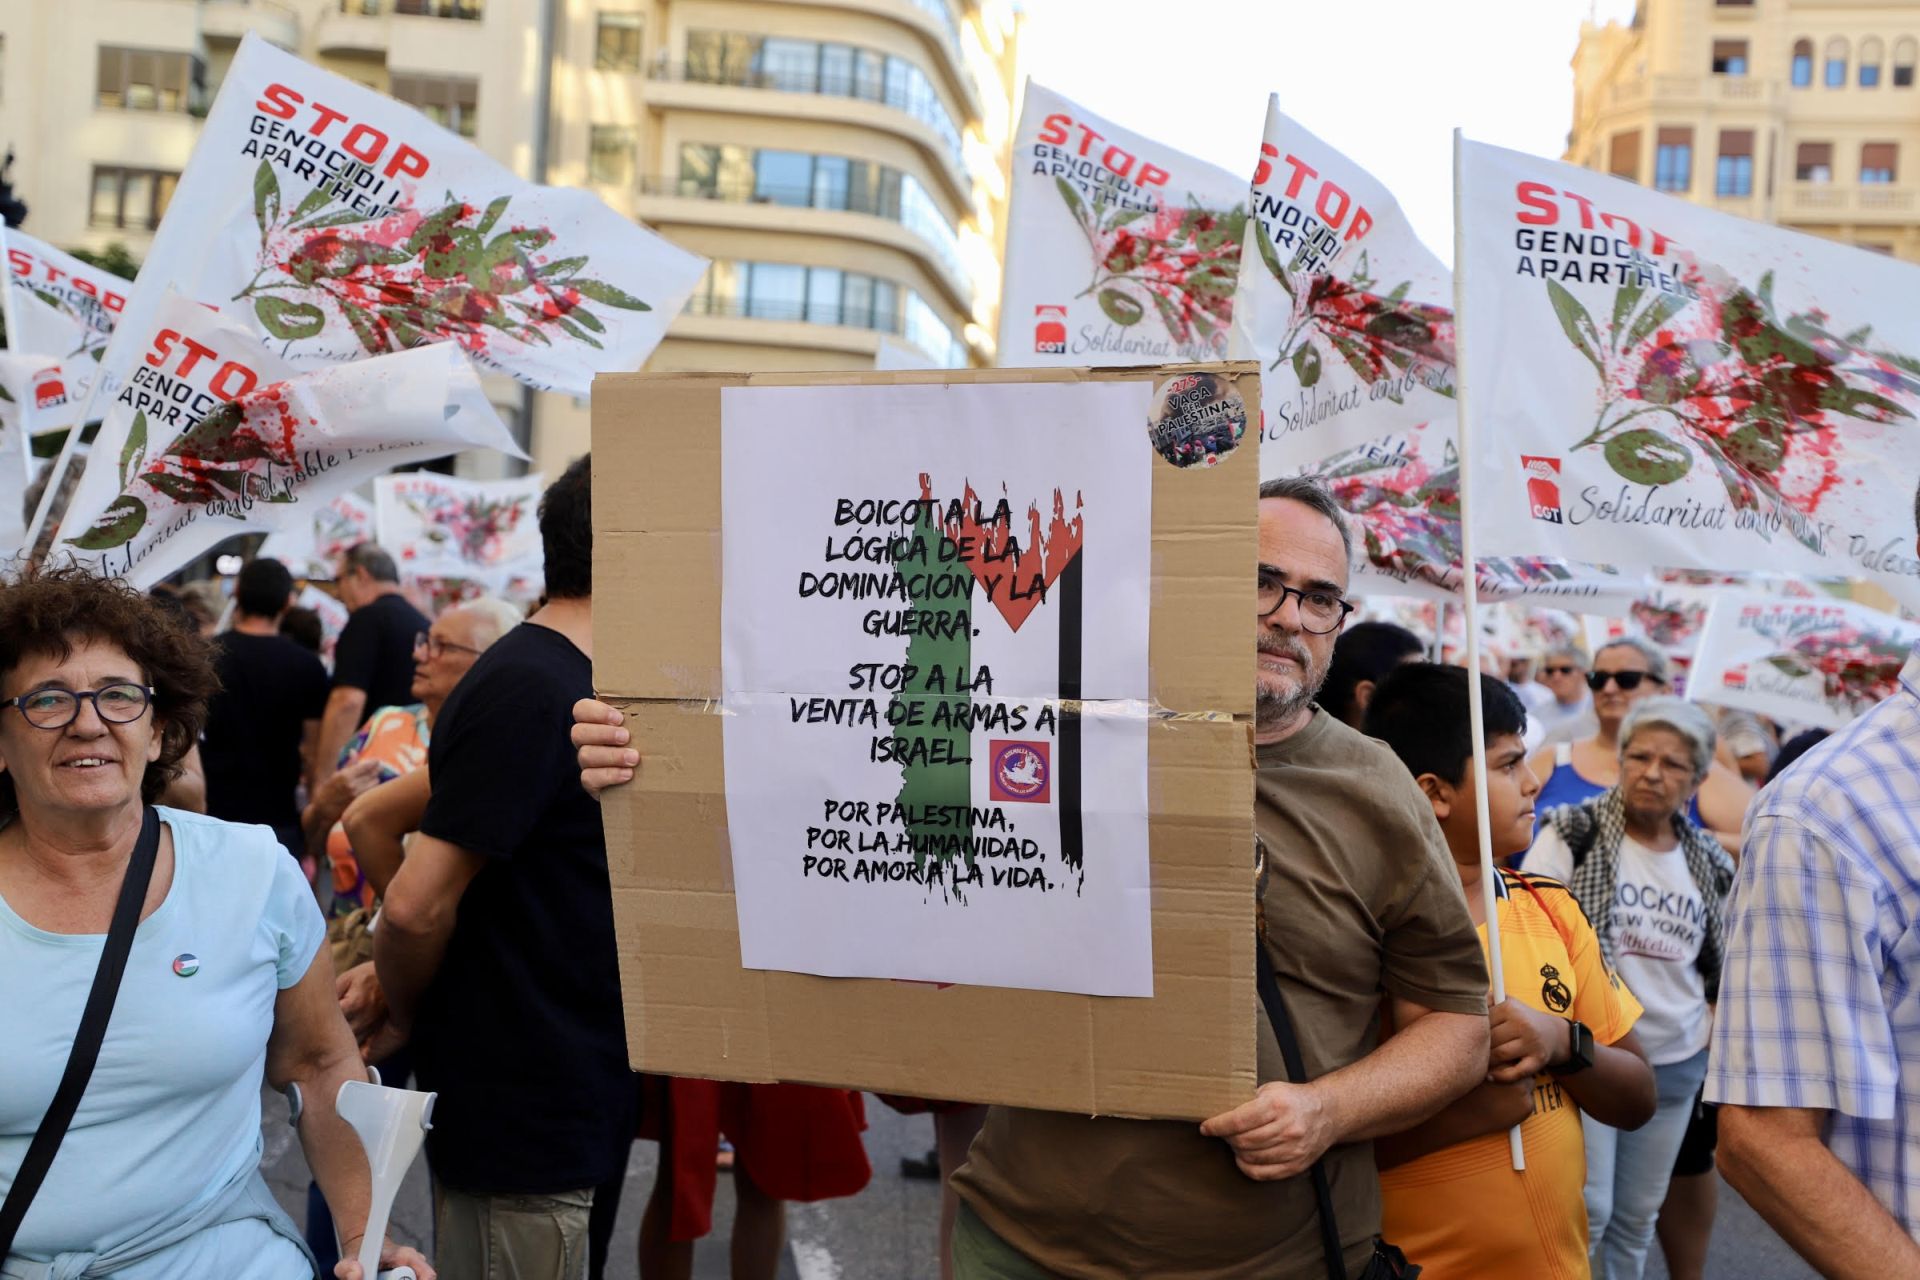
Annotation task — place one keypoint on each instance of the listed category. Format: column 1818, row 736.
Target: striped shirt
column 1818, row 1007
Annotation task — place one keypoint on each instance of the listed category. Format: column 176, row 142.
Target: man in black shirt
column 267, row 712
column 496, row 944
column 373, row 659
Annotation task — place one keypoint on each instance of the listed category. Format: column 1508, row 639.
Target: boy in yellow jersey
column 1562, row 1041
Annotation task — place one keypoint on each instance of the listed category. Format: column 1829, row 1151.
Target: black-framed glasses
column 58, row 708
column 1320, row 611
column 1627, row 680
column 1558, row 671
column 436, row 647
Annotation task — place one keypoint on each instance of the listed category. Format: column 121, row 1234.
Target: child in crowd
column 1562, row 1041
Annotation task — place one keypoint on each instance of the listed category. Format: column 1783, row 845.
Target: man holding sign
column 1359, row 899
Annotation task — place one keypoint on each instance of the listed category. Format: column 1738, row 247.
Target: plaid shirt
column 1818, row 1004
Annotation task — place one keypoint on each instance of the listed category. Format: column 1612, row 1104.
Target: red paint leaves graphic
column 1019, row 573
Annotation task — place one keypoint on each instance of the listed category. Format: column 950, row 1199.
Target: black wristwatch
column 1579, row 1050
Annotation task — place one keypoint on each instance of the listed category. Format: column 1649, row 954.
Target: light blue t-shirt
column 171, row 1117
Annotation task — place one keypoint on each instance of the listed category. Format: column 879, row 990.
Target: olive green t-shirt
column 1361, row 898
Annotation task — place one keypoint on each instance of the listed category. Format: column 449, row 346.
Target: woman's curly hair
column 46, row 610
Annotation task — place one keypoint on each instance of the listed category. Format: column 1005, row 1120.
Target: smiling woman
column 152, row 1170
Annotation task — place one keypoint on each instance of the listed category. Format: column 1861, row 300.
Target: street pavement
column 887, row 1232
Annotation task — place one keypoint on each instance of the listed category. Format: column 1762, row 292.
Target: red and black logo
column 1543, row 487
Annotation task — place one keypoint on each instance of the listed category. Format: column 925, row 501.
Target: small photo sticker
column 1020, row 772
column 1197, row 419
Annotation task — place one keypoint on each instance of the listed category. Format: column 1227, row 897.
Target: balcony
column 1869, row 202
column 822, row 210
column 1678, row 90
column 359, row 28
column 832, row 97
column 230, row 20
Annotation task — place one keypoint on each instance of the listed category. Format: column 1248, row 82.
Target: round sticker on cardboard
column 1197, row 419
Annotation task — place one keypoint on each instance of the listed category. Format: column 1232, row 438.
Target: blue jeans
column 1627, row 1173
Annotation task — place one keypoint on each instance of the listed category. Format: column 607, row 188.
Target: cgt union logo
column 1019, row 771
column 1543, row 487
column 1050, row 331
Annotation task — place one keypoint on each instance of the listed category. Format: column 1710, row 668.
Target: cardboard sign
column 694, row 1009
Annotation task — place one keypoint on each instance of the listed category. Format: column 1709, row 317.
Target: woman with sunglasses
column 1625, row 673
column 227, row 982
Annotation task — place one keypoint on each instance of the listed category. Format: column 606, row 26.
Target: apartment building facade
column 1800, row 112
column 843, row 163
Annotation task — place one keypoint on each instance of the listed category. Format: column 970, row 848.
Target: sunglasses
column 1627, row 680
column 1558, row 671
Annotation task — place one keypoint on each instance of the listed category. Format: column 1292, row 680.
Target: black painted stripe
column 1067, row 767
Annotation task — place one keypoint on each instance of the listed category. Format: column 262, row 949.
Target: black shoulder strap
column 86, row 1041
column 1269, row 989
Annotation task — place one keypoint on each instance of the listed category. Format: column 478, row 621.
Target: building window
column 616, row 42
column 610, row 155
column 1879, row 163
column 1673, row 160
column 783, row 177
column 1734, row 4
column 1903, row 58
column 793, row 293
column 1623, row 155
column 809, row 66
column 129, row 199
column 1813, row 162
column 1871, row 52
column 145, row 80
column 926, row 330
column 452, row 102
column 1729, row 57
column 1836, row 63
column 1802, row 63
column 1733, row 175
column 470, row 10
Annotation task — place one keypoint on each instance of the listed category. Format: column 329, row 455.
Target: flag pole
column 65, row 460
column 7, row 304
column 1489, row 874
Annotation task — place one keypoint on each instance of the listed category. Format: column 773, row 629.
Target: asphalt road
column 887, row 1232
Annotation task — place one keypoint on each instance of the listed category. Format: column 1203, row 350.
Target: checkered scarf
column 1594, row 830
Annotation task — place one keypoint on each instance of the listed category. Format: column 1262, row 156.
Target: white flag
column 1349, row 314
column 59, row 306
column 342, row 224
column 437, row 526
column 1120, row 251
column 1808, row 662
column 1401, row 494
column 214, row 435
column 1655, row 383
column 312, row 549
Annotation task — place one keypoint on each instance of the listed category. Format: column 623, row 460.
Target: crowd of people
column 225, row 863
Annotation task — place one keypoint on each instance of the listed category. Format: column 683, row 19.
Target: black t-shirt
column 269, row 688
column 375, row 652
column 521, row 1031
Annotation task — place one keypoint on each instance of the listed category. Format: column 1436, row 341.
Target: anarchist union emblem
column 1553, row 992
column 1020, row 771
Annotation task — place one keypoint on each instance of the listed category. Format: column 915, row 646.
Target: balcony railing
column 467, row 10
column 835, row 199
column 1758, row 90
column 865, row 88
column 1869, row 199
column 796, row 312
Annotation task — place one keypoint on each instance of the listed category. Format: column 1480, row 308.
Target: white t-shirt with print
column 1658, row 927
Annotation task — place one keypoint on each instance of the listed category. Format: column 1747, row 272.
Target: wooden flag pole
column 1489, row 874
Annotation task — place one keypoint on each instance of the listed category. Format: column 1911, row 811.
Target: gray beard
column 1272, row 710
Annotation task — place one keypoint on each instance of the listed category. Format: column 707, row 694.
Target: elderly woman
column 1625, row 673
column 1654, row 885
column 226, row 982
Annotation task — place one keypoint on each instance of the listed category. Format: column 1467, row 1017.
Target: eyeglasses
column 1558, row 671
column 436, row 648
column 1320, row 611
column 58, row 708
column 1627, row 680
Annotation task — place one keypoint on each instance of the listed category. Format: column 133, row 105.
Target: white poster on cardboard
column 934, row 653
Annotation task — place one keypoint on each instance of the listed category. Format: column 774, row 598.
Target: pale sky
column 1385, row 81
